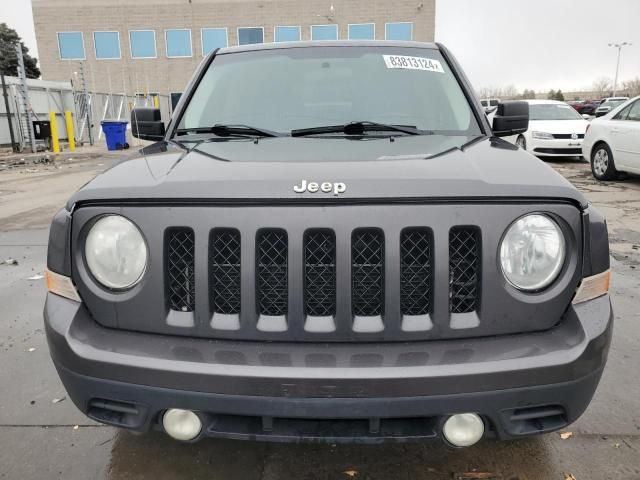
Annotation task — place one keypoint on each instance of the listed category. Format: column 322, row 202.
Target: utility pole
column 619, row 47
column 14, row 146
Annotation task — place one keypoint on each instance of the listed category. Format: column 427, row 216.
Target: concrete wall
column 164, row 75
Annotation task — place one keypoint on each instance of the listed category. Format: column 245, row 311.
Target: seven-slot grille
column 319, row 251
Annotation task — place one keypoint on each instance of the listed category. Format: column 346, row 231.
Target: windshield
column 612, row 103
column 552, row 111
column 297, row 88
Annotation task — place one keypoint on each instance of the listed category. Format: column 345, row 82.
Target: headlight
column 542, row 135
column 532, row 252
column 116, row 253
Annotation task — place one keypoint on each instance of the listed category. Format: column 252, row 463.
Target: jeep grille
column 319, row 250
column 328, row 273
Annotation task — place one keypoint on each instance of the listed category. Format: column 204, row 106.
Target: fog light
column 463, row 429
column 181, row 424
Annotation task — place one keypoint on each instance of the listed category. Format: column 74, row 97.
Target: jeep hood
column 435, row 168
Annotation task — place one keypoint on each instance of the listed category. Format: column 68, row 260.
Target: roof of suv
column 326, row 43
column 544, row 102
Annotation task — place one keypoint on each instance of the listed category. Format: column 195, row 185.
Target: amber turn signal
column 593, row 287
column 61, row 285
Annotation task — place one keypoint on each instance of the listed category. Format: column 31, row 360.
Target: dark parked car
column 330, row 242
column 589, row 107
column 577, row 105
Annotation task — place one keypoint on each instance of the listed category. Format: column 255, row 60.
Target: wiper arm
column 358, row 128
column 223, row 130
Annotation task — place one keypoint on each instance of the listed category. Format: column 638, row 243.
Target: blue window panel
column 71, row 46
column 287, row 34
column 249, row 35
column 399, row 31
column 143, row 43
column 213, row 38
column 107, row 45
column 324, row 32
column 362, row 31
column 178, row 43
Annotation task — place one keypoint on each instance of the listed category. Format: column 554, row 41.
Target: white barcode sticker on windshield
column 413, row 63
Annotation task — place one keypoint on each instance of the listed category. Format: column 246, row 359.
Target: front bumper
column 556, row 147
column 520, row 384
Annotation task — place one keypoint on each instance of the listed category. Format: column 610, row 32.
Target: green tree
column 528, row 94
column 9, row 38
column 551, row 95
column 559, row 96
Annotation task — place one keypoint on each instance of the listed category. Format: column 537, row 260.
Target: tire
column 602, row 164
column 521, row 142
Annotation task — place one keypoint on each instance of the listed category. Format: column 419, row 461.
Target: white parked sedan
column 612, row 142
column 555, row 130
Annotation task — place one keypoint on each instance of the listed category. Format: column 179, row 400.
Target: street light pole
column 619, row 47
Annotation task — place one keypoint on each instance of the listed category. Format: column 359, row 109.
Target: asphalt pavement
column 42, row 435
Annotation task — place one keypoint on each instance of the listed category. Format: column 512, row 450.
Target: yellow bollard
column 55, row 143
column 156, row 101
column 70, row 133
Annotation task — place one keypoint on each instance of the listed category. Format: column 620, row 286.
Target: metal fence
column 112, row 106
column 46, row 96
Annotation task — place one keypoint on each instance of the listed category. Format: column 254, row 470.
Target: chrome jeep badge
column 325, row 187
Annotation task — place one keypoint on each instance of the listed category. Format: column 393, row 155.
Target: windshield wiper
column 223, row 130
column 359, row 128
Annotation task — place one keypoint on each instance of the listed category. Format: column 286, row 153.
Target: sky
column 540, row 44
column 533, row 44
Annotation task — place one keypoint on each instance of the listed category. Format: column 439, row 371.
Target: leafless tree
column 490, row 92
column 509, row 92
column 602, row 87
column 632, row 87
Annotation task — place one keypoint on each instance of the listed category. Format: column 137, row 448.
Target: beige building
column 153, row 46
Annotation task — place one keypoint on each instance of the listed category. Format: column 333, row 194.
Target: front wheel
column 521, row 142
column 602, row 164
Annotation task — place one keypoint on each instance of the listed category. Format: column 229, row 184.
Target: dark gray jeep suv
column 330, row 242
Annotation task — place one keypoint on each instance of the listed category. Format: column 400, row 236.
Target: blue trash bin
column 115, row 132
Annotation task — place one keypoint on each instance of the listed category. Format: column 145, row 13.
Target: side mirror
column 586, row 117
column 511, row 118
column 146, row 123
